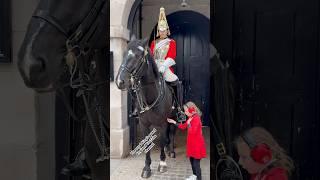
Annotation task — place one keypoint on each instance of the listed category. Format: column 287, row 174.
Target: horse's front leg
column 146, row 172
column 172, row 132
column 163, row 141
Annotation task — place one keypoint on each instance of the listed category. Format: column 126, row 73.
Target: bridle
column 135, row 73
column 77, row 42
column 77, row 45
column 136, row 86
column 78, row 39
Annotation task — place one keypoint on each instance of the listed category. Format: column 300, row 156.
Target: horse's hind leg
column 172, row 132
column 167, row 146
column 146, row 172
column 163, row 141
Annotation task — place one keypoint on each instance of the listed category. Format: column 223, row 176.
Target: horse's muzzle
column 120, row 84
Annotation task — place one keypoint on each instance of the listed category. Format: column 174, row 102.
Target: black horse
column 73, row 31
column 139, row 74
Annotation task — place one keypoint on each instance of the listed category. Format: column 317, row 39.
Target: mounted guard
column 163, row 50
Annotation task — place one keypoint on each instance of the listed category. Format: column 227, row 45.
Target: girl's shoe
column 192, row 177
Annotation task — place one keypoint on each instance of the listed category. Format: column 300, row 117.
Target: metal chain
column 82, row 85
column 91, row 124
column 101, row 119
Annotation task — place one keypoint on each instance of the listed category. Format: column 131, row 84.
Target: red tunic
column 276, row 173
column 196, row 147
column 172, row 52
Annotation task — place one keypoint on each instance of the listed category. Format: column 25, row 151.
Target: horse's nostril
column 120, row 82
column 37, row 66
column 42, row 64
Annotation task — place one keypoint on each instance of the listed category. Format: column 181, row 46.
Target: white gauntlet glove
column 162, row 69
column 166, row 64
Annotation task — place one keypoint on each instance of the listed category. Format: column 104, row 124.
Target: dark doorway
column 274, row 50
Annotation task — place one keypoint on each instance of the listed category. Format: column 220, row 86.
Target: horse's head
column 41, row 55
column 132, row 64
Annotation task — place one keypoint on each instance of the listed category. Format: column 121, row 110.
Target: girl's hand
column 189, row 120
column 171, row 121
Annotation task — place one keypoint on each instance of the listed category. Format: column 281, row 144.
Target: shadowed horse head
column 139, row 74
column 41, row 57
column 72, row 28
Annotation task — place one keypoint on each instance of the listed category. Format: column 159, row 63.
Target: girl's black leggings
column 195, row 164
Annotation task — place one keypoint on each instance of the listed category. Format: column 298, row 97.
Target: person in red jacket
column 262, row 157
column 196, row 148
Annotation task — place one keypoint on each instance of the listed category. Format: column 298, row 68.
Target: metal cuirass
column 161, row 52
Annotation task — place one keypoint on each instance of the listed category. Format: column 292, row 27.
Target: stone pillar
column 119, row 36
column 119, row 129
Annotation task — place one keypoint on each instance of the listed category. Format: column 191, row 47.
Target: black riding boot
column 77, row 168
column 177, row 88
column 178, row 95
column 173, row 85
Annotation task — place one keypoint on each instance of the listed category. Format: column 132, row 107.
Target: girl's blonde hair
column 192, row 104
column 261, row 135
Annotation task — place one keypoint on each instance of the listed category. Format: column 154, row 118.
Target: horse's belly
column 153, row 119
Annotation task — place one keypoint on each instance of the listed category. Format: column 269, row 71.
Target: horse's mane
column 152, row 63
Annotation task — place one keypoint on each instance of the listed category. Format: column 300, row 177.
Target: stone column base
column 119, row 142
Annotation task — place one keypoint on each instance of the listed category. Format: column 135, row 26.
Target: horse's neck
column 150, row 81
column 151, row 74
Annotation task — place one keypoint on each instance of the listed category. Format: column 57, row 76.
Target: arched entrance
column 190, row 29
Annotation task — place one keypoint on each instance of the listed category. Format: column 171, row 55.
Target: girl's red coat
column 196, row 147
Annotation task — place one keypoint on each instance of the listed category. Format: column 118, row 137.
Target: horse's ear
column 133, row 37
column 145, row 41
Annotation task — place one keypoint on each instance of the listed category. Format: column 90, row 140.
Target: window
column 5, row 31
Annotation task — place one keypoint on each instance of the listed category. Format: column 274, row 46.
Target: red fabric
column 275, row 173
column 261, row 153
column 172, row 52
column 196, row 147
column 191, row 110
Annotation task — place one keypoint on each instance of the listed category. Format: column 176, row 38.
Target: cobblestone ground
column 179, row 168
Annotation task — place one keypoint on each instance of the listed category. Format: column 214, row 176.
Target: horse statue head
column 134, row 61
column 52, row 33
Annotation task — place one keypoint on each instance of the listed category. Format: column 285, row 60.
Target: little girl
column 196, row 148
column 262, row 156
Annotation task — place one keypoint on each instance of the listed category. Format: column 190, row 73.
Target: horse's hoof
column 168, row 153
column 146, row 173
column 173, row 155
column 166, row 149
column 162, row 169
